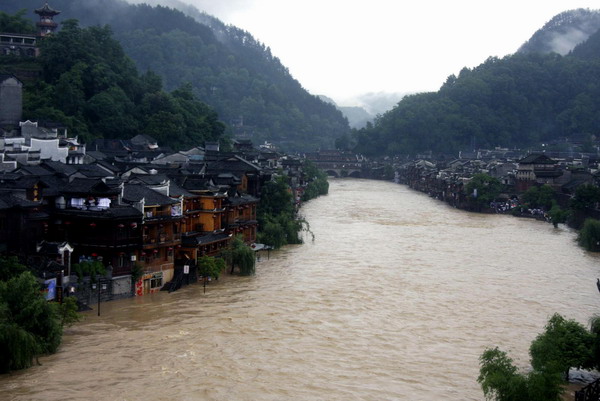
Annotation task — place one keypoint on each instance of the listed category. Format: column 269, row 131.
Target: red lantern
column 92, row 224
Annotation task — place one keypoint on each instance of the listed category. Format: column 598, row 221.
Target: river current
column 395, row 299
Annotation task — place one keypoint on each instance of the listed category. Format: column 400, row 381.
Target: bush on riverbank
column 241, row 255
column 589, row 235
column 29, row 325
column 317, row 182
column 276, row 215
column 563, row 345
column 210, row 267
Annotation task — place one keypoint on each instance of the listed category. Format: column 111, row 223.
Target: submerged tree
column 210, row 267
column 589, row 235
column 483, row 189
column 558, row 215
column 29, row 325
column 563, row 345
column 501, row 381
column 241, row 255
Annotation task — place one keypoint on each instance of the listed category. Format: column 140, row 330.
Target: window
column 104, row 203
column 156, row 280
column 77, row 203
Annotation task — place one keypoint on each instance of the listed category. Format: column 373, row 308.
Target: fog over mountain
column 563, row 32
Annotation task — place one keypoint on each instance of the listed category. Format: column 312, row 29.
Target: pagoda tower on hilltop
column 46, row 25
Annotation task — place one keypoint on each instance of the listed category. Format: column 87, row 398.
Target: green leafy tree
column 564, row 344
column 501, row 381
column 29, row 325
column 67, row 311
column 595, row 330
column 210, row 267
column 539, row 197
column 10, row 267
column 276, row 198
column 558, row 215
column 586, row 196
column 89, row 268
column 589, row 235
column 317, row 181
column 483, row 189
column 16, row 23
column 272, row 233
column 241, row 255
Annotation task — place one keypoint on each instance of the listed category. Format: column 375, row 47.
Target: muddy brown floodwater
column 396, row 299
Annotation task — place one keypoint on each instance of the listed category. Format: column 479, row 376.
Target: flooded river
column 395, row 299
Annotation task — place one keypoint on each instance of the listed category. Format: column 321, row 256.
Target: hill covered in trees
column 515, row 101
column 563, row 32
column 88, row 84
column 253, row 93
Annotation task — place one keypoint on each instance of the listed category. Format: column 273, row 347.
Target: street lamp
column 100, row 286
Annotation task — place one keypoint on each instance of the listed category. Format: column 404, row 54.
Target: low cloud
column 219, row 9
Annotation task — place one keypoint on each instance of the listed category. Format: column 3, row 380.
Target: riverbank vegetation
column 239, row 255
column 29, row 325
column 89, row 84
column 563, row 345
column 317, row 185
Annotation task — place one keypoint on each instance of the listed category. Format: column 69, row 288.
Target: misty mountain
column 517, row 101
column 253, row 93
column 357, row 116
column 563, row 32
column 379, row 102
column 590, row 49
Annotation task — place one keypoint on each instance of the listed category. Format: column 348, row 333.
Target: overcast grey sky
column 344, row 48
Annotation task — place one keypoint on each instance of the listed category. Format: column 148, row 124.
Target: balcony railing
column 161, row 238
column 161, row 215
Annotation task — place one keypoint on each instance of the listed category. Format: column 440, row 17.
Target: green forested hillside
column 563, row 32
column 251, row 90
column 89, row 84
column 516, row 101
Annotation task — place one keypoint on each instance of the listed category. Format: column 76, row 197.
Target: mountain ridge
column 253, row 93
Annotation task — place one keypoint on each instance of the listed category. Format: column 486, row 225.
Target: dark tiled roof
column 93, row 170
column 204, row 239
column 113, row 212
column 192, row 183
column 59, row 167
column 9, row 201
column 242, row 200
column 89, row 186
column 35, row 170
column 536, row 158
column 137, row 192
column 148, row 179
column 20, row 182
column 176, row 190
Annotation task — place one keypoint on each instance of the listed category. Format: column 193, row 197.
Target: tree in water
column 483, row 189
column 241, row 255
column 589, row 235
column 29, row 325
column 210, row 267
column 563, row 345
column 501, row 381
